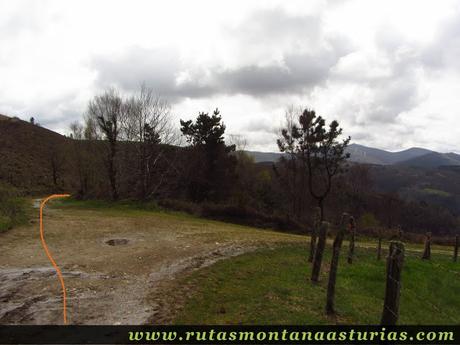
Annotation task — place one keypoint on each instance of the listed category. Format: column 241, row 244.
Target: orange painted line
column 48, row 254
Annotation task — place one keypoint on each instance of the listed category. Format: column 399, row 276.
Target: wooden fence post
column 379, row 245
column 456, row 248
column 314, row 232
column 395, row 261
column 427, row 251
column 351, row 248
column 330, row 310
column 319, row 252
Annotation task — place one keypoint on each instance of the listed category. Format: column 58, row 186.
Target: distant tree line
column 128, row 147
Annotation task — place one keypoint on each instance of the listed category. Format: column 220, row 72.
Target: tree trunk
column 330, row 310
column 351, row 248
column 319, row 252
column 427, row 252
column 314, row 233
column 113, row 170
column 113, row 181
column 456, row 248
column 313, row 239
column 400, row 233
column 379, row 246
column 321, row 207
column 395, row 261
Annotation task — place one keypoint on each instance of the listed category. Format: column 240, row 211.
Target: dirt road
column 117, row 266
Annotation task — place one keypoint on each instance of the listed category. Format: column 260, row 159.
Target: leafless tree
column 57, row 160
column 294, row 175
column 80, row 157
column 76, row 130
column 104, row 110
column 146, row 119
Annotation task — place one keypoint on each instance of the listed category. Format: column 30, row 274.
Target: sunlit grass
column 273, row 287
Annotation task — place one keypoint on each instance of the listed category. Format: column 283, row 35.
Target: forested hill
column 37, row 161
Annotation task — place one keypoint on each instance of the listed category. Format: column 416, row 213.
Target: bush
column 235, row 214
column 12, row 208
column 181, row 205
column 368, row 220
column 5, row 223
column 248, row 216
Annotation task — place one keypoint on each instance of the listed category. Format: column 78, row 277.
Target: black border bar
column 231, row 334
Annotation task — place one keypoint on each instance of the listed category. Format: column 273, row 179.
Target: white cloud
column 388, row 70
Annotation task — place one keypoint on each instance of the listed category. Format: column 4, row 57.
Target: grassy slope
column 273, row 287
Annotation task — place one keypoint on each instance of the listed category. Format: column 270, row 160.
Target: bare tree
column 146, row 119
column 294, row 175
column 80, row 157
column 104, row 110
column 56, row 165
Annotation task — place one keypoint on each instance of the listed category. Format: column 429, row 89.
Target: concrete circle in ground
column 117, row 241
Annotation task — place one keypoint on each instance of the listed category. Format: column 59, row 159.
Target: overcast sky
column 388, row 71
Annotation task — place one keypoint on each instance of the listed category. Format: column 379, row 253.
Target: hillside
column 28, row 152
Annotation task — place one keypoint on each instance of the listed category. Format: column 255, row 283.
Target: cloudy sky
column 389, row 71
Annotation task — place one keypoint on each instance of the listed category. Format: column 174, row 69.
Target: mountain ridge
column 414, row 156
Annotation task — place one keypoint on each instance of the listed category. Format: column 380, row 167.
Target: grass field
column 184, row 269
column 273, row 287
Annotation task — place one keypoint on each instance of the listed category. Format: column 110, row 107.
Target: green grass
column 121, row 207
column 273, row 287
column 438, row 192
column 138, row 208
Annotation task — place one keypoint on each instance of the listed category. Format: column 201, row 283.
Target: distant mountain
column 415, row 156
column 369, row 155
column 260, row 157
column 433, row 160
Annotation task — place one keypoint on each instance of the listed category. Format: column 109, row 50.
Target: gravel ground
column 117, row 266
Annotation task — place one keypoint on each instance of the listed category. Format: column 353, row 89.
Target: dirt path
column 116, row 265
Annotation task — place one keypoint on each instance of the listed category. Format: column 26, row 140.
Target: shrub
column 12, row 208
column 249, row 216
column 368, row 220
column 181, row 205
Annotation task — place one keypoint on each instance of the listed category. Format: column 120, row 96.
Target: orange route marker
column 48, row 254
